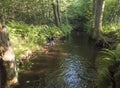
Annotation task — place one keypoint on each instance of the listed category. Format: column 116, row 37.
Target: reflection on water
column 73, row 74
column 70, row 65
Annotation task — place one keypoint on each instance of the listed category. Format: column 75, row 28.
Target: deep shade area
column 66, row 65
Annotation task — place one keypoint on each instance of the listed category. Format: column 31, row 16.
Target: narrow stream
column 68, row 65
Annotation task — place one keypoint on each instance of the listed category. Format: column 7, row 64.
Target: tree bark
column 58, row 10
column 2, row 74
column 99, row 10
column 8, row 59
column 94, row 7
column 56, row 14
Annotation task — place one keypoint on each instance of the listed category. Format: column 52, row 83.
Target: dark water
column 68, row 65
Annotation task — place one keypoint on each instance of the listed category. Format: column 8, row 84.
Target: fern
column 109, row 61
column 112, row 54
column 25, row 37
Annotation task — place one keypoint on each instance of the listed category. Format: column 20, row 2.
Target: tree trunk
column 93, row 12
column 99, row 9
column 58, row 10
column 94, row 7
column 2, row 74
column 8, row 64
column 55, row 10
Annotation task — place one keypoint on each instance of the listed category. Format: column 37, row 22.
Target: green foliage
column 41, row 11
column 76, row 12
column 112, row 11
column 5, row 3
column 111, row 21
column 112, row 54
column 66, row 29
column 113, row 29
column 26, row 37
column 37, row 12
column 110, row 59
column 79, row 8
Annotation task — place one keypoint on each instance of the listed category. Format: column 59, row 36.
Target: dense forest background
column 32, row 23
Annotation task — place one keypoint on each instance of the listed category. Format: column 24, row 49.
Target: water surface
column 65, row 65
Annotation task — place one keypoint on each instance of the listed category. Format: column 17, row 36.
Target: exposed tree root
column 106, row 42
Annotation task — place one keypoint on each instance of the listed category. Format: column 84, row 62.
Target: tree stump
column 8, row 72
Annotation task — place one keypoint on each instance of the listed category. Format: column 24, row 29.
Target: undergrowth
column 111, row 27
column 28, row 38
column 108, row 68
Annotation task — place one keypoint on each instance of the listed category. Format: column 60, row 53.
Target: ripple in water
column 75, row 72
column 72, row 74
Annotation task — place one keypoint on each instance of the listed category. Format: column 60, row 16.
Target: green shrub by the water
column 111, row 27
column 26, row 37
column 108, row 68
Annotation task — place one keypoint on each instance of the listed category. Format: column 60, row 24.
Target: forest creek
column 65, row 65
column 59, row 43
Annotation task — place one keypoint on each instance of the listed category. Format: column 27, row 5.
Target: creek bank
column 108, row 64
column 41, row 63
column 112, row 66
column 24, row 62
column 109, row 40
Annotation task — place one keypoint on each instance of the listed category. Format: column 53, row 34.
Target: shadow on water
column 68, row 65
